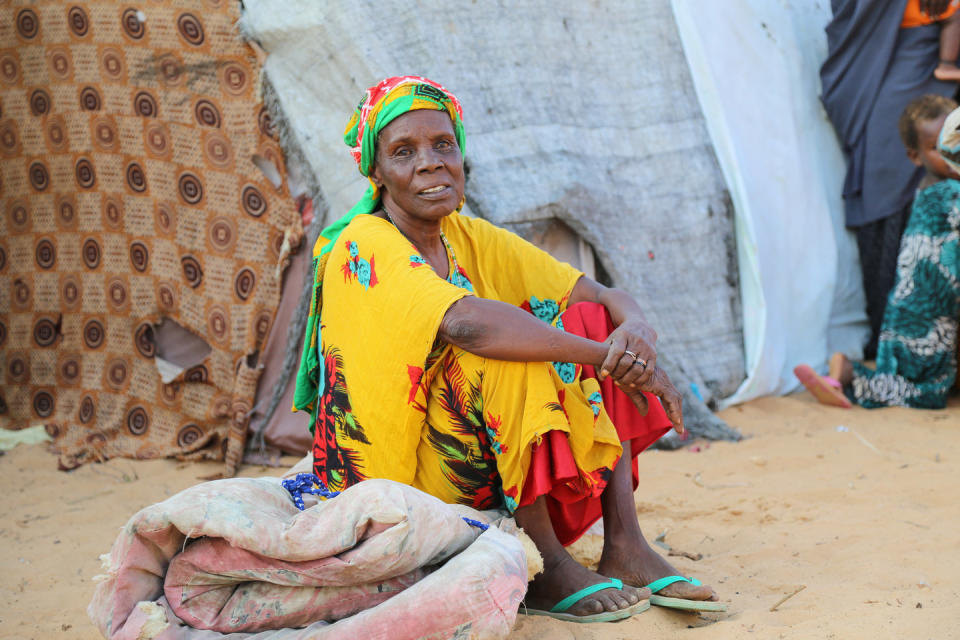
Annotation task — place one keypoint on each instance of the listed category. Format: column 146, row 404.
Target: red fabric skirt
column 552, row 469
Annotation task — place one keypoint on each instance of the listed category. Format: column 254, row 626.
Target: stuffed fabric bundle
column 382, row 560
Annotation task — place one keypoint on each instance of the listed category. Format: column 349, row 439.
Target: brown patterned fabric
column 128, row 195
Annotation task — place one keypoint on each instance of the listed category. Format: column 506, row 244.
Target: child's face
column 926, row 154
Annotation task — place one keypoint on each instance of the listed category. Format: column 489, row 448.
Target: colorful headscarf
column 948, row 144
column 381, row 104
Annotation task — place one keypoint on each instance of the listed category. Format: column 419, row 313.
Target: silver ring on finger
column 635, row 357
column 641, row 362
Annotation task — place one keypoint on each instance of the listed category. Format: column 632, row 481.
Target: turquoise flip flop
column 559, row 610
column 680, row 603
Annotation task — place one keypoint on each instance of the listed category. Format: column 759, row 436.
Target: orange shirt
column 912, row 17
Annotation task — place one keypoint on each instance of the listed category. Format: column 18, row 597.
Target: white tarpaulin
column 755, row 67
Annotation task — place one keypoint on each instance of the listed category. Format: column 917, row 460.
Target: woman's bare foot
column 947, row 72
column 840, row 369
column 638, row 564
column 562, row 576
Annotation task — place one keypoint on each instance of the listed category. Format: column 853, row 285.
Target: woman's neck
column 424, row 235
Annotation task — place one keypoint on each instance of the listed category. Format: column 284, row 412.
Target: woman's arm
column 501, row 331
column 632, row 333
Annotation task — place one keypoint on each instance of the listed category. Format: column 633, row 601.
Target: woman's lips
column 432, row 192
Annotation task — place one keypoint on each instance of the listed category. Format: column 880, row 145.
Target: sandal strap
column 663, row 583
column 574, row 598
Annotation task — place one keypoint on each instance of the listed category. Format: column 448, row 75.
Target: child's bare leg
column 841, row 369
column 948, row 70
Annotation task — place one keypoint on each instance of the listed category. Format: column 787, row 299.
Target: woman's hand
column 660, row 386
column 634, row 369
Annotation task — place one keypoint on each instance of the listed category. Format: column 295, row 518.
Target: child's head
column 920, row 125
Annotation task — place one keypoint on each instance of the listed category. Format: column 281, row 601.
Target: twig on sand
column 661, row 542
column 787, row 597
column 866, row 442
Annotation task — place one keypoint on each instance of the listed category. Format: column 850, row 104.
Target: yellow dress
column 392, row 401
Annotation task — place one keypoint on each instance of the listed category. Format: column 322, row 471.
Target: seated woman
column 451, row 355
column 917, row 353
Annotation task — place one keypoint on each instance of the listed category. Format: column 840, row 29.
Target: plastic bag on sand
column 236, row 559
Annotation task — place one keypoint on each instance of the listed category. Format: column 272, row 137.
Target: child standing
column 916, row 356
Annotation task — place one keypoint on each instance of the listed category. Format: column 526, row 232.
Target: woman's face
column 418, row 165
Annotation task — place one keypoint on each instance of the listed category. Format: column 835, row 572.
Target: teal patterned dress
column 917, row 354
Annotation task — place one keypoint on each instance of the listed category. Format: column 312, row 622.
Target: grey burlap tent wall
column 582, row 112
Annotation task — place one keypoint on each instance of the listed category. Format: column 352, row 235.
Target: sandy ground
column 857, row 508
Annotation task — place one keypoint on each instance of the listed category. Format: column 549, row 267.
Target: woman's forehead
column 421, row 122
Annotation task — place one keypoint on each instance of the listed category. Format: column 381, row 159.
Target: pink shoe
column 824, row 388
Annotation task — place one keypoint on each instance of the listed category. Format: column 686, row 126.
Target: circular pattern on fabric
column 60, row 62
column 86, row 176
column 19, row 215
column 39, row 176
column 206, row 113
column 265, row 122
column 196, row 374
column 43, row 404
column 117, row 293
column 21, row 293
column 93, row 334
column 138, row 421
column 78, row 21
column 253, row 201
column 55, row 133
column 112, row 63
column 241, row 412
column 131, row 24
column 168, row 392
column 116, row 373
column 112, row 210
column 46, row 254
column 234, row 78
column 188, row 435
column 190, row 187
column 166, row 296
column 28, row 25
column 139, row 256
column 9, row 68
column 18, row 369
column 261, row 326
column 136, row 179
column 39, row 102
column 190, row 28
column 70, row 291
column 91, row 253
column 217, row 324
column 89, row 99
column 156, row 139
column 8, row 138
column 244, row 283
column 53, row 430
column 144, row 104
column 105, row 134
column 171, row 69
column 192, row 271
column 87, row 410
column 218, row 150
column 70, row 370
column 44, row 332
column 221, row 407
column 164, row 217
column 143, row 339
column 66, row 210
column 222, row 233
